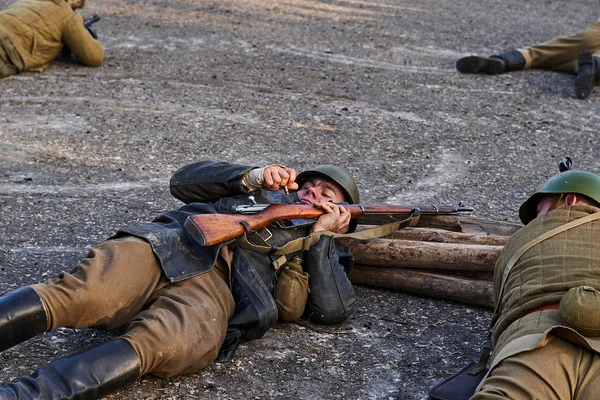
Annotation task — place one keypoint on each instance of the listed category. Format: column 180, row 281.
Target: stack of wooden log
column 447, row 257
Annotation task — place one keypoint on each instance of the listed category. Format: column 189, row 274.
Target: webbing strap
column 304, row 243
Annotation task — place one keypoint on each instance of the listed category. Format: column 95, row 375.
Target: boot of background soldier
column 90, row 374
column 22, row 316
column 588, row 72
column 508, row 61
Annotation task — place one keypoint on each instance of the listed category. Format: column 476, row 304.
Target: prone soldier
column 183, row 305
column 34, row 32
column 546, row 327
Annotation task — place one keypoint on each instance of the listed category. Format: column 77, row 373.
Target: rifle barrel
column 400, row 209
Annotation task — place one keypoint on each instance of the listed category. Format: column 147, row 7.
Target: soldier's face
column 320, row 189
column 548, row 203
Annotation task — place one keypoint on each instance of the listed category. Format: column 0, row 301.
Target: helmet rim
column 341, row 177
column 572, row 181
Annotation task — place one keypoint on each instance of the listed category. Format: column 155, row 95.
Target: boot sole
column 475, row 65
column 586, row 76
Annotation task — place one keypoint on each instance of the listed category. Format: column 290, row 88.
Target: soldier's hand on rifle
column 277, row 177
column 336, row 218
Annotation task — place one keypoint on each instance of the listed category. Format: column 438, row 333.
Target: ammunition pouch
column 580, row 310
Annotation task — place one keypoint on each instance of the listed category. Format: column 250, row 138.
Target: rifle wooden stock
column 211, row 229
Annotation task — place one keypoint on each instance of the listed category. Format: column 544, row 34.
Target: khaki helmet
column 571, row 181
column 336, row 174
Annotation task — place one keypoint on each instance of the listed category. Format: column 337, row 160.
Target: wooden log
column 469, row 291
column 447, row 222
column 423, row 255
column 478, row 275
column 481, row 226
column 454, row 223
column 443, row 236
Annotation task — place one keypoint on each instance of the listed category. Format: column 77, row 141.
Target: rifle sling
column 304, row 243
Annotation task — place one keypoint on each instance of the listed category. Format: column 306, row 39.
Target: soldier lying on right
column 547, row 320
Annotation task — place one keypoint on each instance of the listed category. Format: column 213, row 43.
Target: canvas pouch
column 291, row 290
column 580, row 310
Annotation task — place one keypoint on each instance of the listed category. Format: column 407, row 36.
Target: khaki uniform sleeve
column 83, row 46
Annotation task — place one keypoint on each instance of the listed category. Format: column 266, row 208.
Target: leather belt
column 554, row 306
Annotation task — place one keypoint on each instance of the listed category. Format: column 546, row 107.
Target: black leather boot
column 508, row 61
column 22, row 317
column 91, row 374
column 588, row 72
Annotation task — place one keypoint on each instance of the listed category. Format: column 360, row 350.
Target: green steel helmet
column 571, row 181
column 336, row 174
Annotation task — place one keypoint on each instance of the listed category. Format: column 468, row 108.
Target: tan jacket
column 543, row 275
column 39, row 29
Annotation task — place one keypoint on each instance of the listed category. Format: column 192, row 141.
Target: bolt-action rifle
column 211, row 229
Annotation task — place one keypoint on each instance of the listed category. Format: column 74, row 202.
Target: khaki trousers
column 175, row 328
column 559, row 370
column 7, row 68
column 10, row 60
column 560, row 54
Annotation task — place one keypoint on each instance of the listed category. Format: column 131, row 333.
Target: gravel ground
column 369, row 85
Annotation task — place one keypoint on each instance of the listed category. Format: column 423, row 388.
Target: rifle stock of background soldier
column 212, row 229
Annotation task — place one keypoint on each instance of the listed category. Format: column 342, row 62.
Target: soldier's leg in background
column 508, row 61
column 588, row 73
column 185, row 325
column 549, row 372
column 561, row 53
